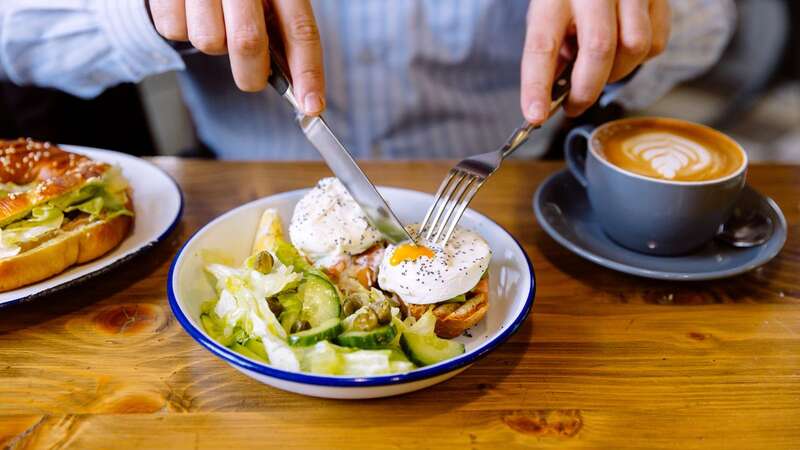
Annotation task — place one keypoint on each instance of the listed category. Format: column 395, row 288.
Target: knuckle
column 600, row 46
column 249, row 82
column 250, row 86
column 311, row 74
column 303, row 29
column 170, row 30
column 637, row 44
column 535, row 86
column 581, row 100
column 540, row 44
column 247, row 42
column 208, row 43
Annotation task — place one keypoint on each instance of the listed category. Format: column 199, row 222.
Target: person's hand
column 613, row 38
column 239, row 28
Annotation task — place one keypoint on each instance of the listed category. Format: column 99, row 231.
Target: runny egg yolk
column 409, row 252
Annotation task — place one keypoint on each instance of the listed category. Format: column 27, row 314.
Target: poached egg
column 424, row 273
column 327, row 223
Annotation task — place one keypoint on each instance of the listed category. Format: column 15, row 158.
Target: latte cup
column 648, row 214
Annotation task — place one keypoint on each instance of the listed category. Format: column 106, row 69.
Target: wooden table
column 605, row 359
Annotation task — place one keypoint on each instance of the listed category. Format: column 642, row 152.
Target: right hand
column 239, row 28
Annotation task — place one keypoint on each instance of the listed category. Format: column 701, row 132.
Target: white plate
column 512, row 288
column 158, row 206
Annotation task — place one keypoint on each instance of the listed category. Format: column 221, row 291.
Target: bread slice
column 65, row 249
column 453, row 319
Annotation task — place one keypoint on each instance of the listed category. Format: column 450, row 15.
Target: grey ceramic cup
column 650, row 215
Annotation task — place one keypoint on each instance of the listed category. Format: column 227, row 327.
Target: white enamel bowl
column 512, row 288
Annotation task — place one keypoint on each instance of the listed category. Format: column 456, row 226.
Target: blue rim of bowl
column 336, row 381
column 647, row 273
column 116, row 263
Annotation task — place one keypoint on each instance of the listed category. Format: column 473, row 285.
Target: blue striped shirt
column 405, row 78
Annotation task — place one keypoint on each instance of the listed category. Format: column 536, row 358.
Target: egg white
column 452, row 271
column 327, row 223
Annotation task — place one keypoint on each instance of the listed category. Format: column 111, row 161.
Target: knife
column 339, row 160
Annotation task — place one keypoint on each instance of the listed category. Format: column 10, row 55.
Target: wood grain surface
column 605, row 360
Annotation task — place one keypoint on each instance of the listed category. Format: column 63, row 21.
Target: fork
column 465, row 179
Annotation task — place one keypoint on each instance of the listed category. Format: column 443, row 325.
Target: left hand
column 613, row 38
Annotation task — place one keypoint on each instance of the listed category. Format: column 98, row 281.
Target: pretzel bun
column 52, row 172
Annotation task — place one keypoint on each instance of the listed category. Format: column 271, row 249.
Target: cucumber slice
column 325, row 331
column 320, row 300
column 378, row 338
column 427, row 349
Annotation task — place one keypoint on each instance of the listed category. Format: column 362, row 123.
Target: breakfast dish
column 57, row 209
column 333, row 298
column 229, row 240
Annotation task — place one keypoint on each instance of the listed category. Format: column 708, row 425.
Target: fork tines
column 452, row 199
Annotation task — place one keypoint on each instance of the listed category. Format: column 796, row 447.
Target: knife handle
column 279, row 77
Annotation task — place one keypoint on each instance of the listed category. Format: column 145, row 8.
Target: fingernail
column 536, row 111
column 312, row 103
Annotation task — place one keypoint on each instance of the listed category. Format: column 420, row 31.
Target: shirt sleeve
column 701, row 29
column 80, row 46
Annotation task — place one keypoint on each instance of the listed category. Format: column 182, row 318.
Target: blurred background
column 753, row 94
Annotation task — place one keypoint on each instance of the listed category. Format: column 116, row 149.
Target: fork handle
column 560, row 90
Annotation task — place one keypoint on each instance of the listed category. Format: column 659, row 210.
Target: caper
column 300, row 325
column 351, row 305
column 275, row 306
column 383, row 311
column 263, row 262
column 366, row 321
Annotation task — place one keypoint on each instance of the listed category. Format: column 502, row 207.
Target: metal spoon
column 746, row 228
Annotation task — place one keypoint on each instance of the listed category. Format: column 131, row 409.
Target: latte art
column 669, row 154
column 668, row 149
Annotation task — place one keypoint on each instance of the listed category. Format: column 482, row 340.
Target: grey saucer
column 562, row 209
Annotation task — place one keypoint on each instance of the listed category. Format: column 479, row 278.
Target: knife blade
column 340, row 161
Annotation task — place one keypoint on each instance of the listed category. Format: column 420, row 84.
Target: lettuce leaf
column 43, row 219
column 261, row 285
column 242, row 304
column 87, row 191
column 104, row 201
column 326, row 358
column 290, row 256
column 107, row 193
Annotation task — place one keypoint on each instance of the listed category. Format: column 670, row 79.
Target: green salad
column 275, row 307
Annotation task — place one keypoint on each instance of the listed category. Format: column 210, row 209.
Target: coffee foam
column 669, row 154
column 668, row 149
